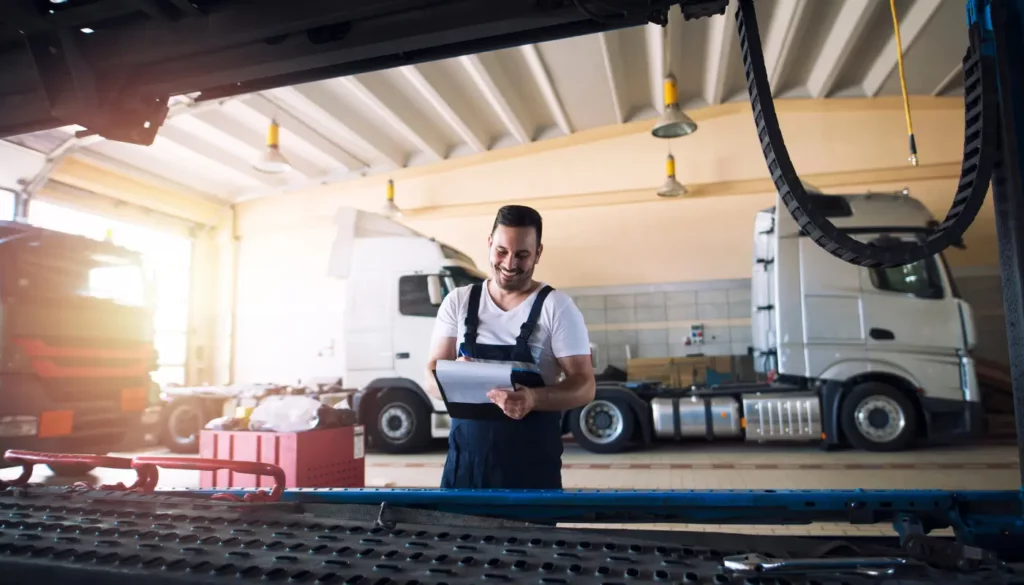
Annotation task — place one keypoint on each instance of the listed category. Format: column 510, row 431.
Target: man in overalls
column 511, row 318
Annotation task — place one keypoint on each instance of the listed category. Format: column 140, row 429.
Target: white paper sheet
column 469, row 382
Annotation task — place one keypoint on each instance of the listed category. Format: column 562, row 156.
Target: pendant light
column 390, row 209
column 673, row 122
column 272, row 161
column 671, row 187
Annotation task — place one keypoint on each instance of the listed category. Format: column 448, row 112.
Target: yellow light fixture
column 390, row 209
column 673, row 122
column 272, row 161
column 671, row 187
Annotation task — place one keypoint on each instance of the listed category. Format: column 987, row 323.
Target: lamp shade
column 671, row 187
column 673, row 122
column 272, row 161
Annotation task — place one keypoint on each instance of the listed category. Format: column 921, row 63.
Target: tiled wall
column 654, row 320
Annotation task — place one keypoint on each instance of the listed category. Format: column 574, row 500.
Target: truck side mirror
column 434, row 289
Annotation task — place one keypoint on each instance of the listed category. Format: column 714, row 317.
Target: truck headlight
column 19, row 426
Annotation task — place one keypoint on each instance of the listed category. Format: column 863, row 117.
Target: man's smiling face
column 514, row 255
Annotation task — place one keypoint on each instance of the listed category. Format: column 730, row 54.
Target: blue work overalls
column 508, row 453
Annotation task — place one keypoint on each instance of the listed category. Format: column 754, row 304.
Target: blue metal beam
column 966, row 512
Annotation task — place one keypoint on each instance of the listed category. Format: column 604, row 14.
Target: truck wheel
column 400, row 423
column 603, row 426
column 878, row 417
column 70, row 469
column 182, row 421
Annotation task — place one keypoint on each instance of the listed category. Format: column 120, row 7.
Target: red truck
column 76, row 344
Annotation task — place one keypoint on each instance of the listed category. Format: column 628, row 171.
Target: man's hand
column 515, row 404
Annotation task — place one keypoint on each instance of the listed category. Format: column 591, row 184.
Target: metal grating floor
column 102, row 537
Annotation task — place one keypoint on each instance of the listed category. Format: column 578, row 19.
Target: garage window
column 167, row 259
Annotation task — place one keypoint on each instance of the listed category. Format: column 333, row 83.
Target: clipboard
column 468, row 410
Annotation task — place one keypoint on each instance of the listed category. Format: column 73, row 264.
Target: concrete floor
column 699, row 466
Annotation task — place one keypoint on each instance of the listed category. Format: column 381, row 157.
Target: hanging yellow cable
column 903, row 83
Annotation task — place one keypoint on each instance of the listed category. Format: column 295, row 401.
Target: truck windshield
column 459, row 277
column 920, row 279
column 57, row 271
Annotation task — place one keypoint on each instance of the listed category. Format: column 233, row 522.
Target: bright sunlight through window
column 167, row 259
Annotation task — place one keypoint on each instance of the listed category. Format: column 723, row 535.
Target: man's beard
column 512, row 282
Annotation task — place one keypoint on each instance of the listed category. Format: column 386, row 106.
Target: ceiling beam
column 380, row 100
column 849, row 24
column 274, row 108
column 228, row 124
column 474, row 138
column 911, row 25
column 319, row 106
column 611, row 52
column 654, row 42
column 722, row 43
column 101, row 174
column 208, row 150
column 955, row 76
column 488, row 82
column 547, row 89
column 119, row 170
column 780, row 38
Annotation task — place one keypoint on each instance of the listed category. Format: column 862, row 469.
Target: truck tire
column 604, row 426
column 180, row 424
column 70, row 469
column 878, row 417
column 400, row 423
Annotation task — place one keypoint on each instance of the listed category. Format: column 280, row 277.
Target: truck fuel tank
column 696, row 417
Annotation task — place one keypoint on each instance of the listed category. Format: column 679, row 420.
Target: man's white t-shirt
column 560, row 331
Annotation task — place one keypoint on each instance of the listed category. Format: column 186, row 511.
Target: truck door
column 911, row 319
column 419, row 297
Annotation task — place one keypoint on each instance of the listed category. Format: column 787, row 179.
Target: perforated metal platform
column 103, row 537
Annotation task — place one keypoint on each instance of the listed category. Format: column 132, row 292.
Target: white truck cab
column 396, row 279
column 872, row 358
column 817, row 318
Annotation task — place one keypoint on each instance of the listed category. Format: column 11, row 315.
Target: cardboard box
column 679, row 372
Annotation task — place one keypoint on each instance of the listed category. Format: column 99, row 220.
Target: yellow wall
column 603, row 223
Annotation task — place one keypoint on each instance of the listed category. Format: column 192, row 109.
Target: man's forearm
column 575, row 390
column 430, row 382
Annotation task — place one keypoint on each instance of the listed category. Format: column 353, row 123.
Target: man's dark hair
column 518, row 216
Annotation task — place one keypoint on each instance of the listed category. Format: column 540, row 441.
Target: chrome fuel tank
column 697, row 418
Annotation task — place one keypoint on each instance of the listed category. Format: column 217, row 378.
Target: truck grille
column 75, row 370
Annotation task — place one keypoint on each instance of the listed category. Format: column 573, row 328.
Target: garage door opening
column 167, row 259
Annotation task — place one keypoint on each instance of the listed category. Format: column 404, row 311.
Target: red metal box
column 324, row 458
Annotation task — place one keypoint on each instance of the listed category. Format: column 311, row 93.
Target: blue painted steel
column 967, row 512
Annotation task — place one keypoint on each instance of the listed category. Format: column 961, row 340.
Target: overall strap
column 522, row 347
column 472, row 321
